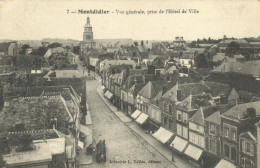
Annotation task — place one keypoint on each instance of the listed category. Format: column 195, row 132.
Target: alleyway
column 123, row 145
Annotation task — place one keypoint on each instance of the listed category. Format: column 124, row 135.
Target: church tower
column 88, row 41
column 88, row 34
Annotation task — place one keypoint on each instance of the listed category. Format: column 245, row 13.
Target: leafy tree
column 55, row 44
column 136, row 43
column 23, row 49
column 192, row 44
column 201, row 61
column 76, row 49
column 232, row 48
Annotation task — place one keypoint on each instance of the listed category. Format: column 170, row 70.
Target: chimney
column 251, row 112
column 258, row 144
column 151, row 69
column 4, row 146
column 178, row 95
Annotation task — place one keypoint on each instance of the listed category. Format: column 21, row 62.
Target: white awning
column 109, row 95
column 136, row 114
column 193, row 152
column 224, row 163
column 163, row 135
column 80, row 144
column 106, row 93
column 142, row 118
column 179, row 144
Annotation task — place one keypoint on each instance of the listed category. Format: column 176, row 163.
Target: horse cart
column 101, row 151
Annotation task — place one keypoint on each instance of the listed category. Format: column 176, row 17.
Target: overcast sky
column 24, row 20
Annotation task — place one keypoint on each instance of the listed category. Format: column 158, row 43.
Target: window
column 233, row 154
column 179, row 129
column 170, row 108
column 212, row 129
column 170, row 124
column 165, row 106
column 226, row 150
column 185, row 132
column 243, row 162
column 234, row 134
column 185, row 118
column 248, row 148
column 165, row 120
column 226, row 131
column 179, row 116
column 212, row 146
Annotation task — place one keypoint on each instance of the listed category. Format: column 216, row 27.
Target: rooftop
column 64, row 74
column 248, row 67
column 35, row 113
column 239, row 112
column 193, row 102
column 43, row 152
column 201, row 114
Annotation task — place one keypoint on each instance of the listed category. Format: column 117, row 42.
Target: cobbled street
column 122, row 143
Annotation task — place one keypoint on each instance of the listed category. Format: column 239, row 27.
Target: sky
column 37, row 19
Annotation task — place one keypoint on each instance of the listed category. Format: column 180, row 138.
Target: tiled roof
column 217, row 89
column 192, row 88
column 214, row 118
column 32, row 112
column 152, row 88
column 193, row 102
column 218, row 57
column 136, row 88
column 248, row 67
column 201, row 114
column 240, row 111
column 233, row 95
column 171, row 94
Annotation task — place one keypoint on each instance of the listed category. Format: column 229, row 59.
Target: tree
column 55, row 44
column 232, row 48
column 76, row 49
column 23, row 49
column 192, row 44
column 136, row 43
column 201, row 61
column 209, row 40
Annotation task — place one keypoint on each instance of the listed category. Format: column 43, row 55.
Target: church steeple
column 88, row 34
column 88, row 23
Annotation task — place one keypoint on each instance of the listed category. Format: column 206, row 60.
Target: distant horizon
column 54, row 38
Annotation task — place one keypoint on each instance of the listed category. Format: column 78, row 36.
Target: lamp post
column 173, row 153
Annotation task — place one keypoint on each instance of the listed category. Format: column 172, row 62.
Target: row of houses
column 205, row 122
